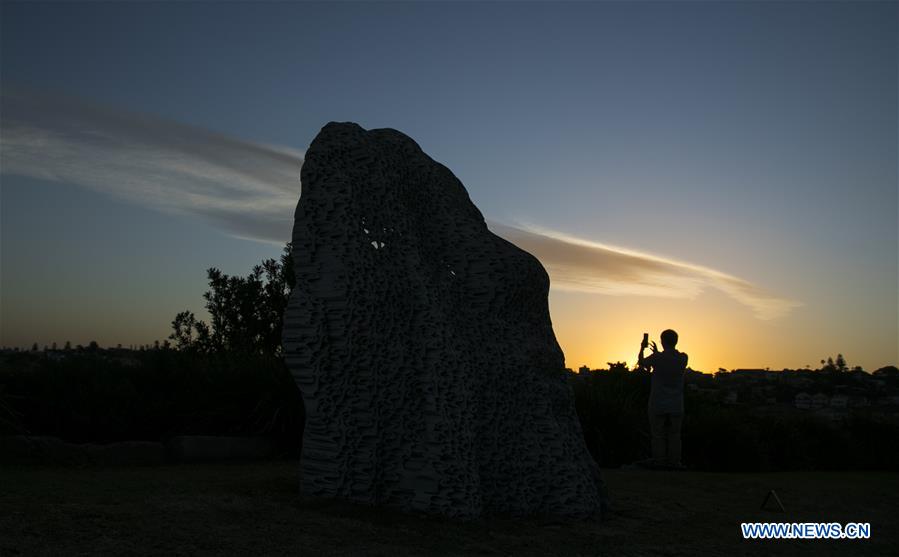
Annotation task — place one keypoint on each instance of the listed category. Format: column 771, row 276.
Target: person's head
column 669, row 339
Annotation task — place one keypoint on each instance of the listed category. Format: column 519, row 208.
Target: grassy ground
column 255, row 509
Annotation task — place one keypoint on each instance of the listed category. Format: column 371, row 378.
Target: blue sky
column 752, row 139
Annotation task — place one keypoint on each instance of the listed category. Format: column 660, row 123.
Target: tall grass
column 92, row 397
column 612, row 411
column 155, row 394
column 612, row 407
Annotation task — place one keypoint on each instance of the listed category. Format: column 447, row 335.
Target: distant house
column 795, row 378
column 56, row 355
column 583, row 370
column 127, row 360
column 819, row 400
column 803, row 401
column 750, row 374
column 708, row 391
column 832, row 414
column 839, row 401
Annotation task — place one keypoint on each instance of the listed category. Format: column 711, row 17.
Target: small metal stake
column 771, row 494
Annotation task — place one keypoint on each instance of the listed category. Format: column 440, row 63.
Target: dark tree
column 835, row 366
column 245, row 312
column 190, row 333
column 841, row 363
column 887, row 371
column 617, row 366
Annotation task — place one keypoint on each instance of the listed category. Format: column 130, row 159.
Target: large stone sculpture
column 422, row 343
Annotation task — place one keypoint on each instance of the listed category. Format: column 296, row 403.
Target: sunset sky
column 726, row 169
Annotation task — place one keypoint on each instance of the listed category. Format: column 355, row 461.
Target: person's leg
column 657, row 435
column 674, row 443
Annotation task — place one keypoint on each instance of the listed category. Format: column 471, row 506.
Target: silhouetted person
column 666, row 398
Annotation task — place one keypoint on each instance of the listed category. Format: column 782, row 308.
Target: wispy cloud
column 250, row 190
column 245, row 188
column 581, row 265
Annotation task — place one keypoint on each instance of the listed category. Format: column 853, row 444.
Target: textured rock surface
column 422, row 343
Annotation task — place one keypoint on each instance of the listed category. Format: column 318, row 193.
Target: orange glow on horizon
column 714, row 332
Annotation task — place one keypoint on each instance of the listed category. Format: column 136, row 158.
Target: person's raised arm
column 643, row 361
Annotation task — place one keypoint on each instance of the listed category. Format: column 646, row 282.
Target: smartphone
column 645, row 342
